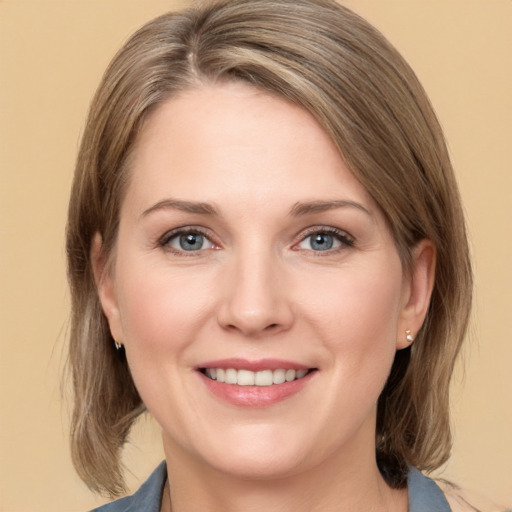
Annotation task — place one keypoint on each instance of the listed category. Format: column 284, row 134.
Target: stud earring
column 118, row 345
column 408, row 336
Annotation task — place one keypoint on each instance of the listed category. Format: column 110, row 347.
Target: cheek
column 160, row 309
column 357, row 319
column 161, row 313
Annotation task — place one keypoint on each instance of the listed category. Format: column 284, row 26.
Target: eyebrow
column 298, row 209
column 310, row 207
column 184, row 206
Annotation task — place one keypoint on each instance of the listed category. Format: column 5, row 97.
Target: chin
column 259, row 456
column 263, row 467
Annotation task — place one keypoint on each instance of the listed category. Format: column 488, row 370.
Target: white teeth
column 279, row 376
column 248, row 378
column 231, row 376
column 290, row 375
column 263, row 378
column 301, row 373
column 245, row 378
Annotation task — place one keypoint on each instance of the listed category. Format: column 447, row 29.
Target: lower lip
column 255, row 396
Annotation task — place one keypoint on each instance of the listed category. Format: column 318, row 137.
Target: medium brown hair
column 330, row 61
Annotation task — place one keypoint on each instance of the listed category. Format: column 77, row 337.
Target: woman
column 267, row 252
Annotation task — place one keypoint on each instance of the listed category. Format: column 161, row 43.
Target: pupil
column 191, row 241
column 322, row 242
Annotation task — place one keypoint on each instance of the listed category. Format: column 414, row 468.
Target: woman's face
column 247, row 251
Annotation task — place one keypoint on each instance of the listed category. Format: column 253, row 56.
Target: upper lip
column 254, row 366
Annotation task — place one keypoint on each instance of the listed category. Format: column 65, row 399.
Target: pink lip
column 254, row 396
column 254, row 366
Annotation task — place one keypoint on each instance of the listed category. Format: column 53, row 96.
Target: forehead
column 220, row 142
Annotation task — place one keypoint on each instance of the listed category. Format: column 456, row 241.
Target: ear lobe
column 105, row 287
column 417, row 293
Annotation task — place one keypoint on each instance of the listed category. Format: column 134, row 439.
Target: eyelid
column 343, row 236
column 346, row 239
column 164, row 240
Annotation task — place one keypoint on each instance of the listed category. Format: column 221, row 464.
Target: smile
column 255, row 383
column 249, row 378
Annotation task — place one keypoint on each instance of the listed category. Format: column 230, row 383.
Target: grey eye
column 191, row 241
column 319, row 242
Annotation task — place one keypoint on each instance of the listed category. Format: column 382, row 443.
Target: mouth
column 263, row 378
column 255, row 383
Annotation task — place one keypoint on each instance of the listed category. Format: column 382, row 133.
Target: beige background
column 52, row 53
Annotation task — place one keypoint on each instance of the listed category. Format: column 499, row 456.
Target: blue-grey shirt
column 424, row 495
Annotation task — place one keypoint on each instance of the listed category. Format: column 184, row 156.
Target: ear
column 417, row 291
column 104, row 279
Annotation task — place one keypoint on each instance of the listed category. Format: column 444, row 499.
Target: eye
column 188, row 241
column 325, row 240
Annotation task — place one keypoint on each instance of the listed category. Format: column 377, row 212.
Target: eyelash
column 343, row 237
column 192, row 230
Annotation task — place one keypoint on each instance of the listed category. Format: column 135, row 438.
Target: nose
column 256, row 300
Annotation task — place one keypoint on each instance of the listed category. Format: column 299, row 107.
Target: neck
column 333, row 487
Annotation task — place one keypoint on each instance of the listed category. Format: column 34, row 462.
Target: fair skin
column 245, row 243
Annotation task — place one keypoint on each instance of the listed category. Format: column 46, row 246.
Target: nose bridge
column 256, row 300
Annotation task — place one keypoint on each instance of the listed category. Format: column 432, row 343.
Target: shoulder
column 424, row 494
column 148, row 497
column 427, row 495
column 462, row 500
